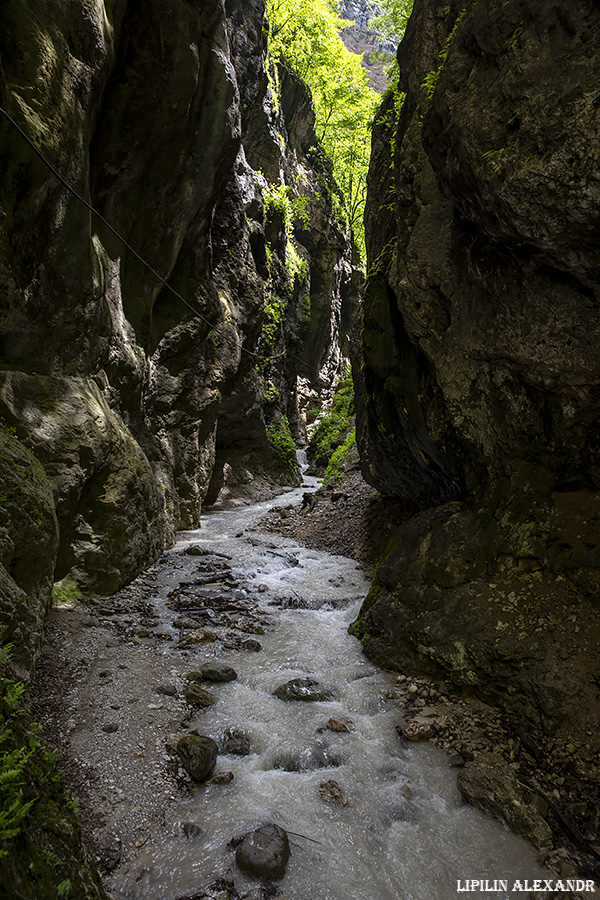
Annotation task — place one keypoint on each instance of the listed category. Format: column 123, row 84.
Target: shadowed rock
column 489, row 783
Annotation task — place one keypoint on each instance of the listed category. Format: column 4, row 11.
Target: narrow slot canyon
column 299, row 500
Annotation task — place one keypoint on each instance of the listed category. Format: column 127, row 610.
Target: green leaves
column 305, row 36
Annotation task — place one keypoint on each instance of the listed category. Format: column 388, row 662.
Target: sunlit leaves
column 305, row 35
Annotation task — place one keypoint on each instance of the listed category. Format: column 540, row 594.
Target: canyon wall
column 478, row 360
column 136, row 377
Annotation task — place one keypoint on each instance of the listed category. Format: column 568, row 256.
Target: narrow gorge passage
column 398, row 831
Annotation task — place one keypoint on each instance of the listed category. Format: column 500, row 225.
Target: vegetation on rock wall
column 336, row 426
column 42, row 854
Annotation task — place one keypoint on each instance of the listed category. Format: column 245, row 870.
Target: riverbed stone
column 489, row 783
column 331, row 792
column 340, row 724
column 307, row 690
column 236, row 742
column 219, row 779
column 417, row 731
column 252, row 645
column 186, row 623
column 264, row 853
column 198, row 754
column 219, row 672
column 200, row 636
column 199, row 697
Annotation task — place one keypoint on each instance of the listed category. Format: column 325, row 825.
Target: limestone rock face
column 477, row 360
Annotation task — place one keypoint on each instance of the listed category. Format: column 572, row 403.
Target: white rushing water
column 405, row 834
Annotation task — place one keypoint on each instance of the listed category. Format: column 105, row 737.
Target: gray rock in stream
column 307, row 690
column 198, row 754
column 264, row 853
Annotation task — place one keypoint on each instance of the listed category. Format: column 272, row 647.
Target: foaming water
column 403, row 835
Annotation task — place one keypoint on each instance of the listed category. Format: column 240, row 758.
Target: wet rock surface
column 306, row 690
column 198, row 754
column 264, row 853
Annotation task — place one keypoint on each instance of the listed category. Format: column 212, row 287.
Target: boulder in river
column 306, row 689
column 489, row 783
column 340, row 724
column 198, row 754
column 264, row 853
column 253, row 646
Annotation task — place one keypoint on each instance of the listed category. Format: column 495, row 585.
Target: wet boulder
column 340, row 724
column 198, row 754
column 264, row 853
column 214, row 671
column 308, row 690
column 252, row 646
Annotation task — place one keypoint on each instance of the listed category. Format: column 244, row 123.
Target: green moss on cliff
column 335, row 428
column 283, row 446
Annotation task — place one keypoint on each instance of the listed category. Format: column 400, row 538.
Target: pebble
column 416, row 731
column 110, row 727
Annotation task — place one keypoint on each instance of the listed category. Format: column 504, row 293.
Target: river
column 404, row 832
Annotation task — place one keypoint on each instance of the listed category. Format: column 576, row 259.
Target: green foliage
column 333, row 429
column 13, row 760
column 276, row 199
column 282, row 442
column 41, row 855
column 287, row 276
column 271, row 394
column 430, row 81
column 391, row 21
column 389, row 118
column 494, row 157
column 305, row 36
column 342, row 459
